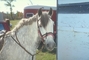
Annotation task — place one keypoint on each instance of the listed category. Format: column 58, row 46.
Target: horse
column 22, row 41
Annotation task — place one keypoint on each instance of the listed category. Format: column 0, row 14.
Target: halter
column 44, row 35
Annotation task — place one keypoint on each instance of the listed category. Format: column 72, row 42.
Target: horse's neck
column 27, row 35
column 28, row 32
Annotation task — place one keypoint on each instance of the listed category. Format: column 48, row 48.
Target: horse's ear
column 50, row 12
column 40, row 11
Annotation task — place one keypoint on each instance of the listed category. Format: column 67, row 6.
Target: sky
column 20, row 4
column 71, row 1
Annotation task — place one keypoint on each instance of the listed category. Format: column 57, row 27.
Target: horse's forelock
column 44, row 19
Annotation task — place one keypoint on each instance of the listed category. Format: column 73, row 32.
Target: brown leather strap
column 17, row 41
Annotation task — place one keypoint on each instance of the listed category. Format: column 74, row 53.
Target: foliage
column 17, row 15
column 9, row 4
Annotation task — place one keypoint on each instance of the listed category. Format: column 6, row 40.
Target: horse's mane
column 28, row 21
column 24, row 21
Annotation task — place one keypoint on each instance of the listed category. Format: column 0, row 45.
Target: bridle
column 44, row 35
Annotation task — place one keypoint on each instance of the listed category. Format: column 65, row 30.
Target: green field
column 44, row 54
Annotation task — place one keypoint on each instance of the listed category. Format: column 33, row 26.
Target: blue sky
column 20, row 4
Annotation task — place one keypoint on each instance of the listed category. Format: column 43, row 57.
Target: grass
column 13, row 22
column 44, row 54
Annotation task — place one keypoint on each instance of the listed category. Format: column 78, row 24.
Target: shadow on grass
column 45, row 50
column 53, row 51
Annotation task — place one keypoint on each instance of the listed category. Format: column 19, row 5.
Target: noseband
column 44, row 35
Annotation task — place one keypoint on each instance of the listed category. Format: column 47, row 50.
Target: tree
column 19, row 15
column 9, row 4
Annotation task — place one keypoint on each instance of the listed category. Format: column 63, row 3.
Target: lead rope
column 17, row 41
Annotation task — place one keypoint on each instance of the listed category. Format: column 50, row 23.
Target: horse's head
column 45, row 28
